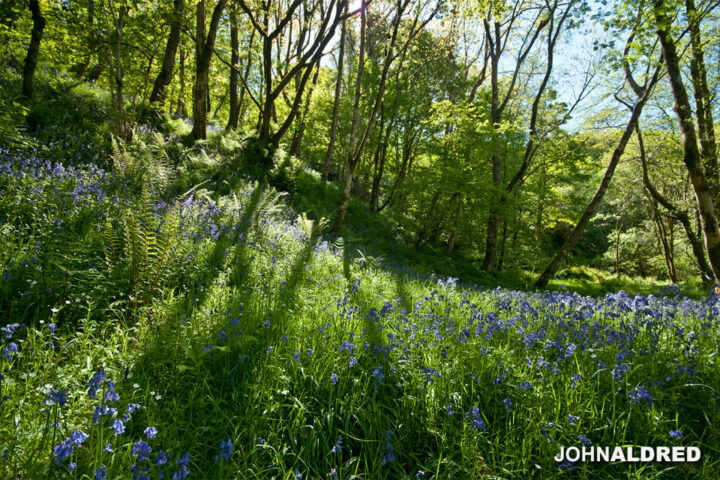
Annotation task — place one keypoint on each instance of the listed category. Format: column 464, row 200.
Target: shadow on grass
column 209, row 379
column 403, row 296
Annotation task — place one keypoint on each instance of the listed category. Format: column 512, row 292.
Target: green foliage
column 12, row 122
column 147, row 254
column 311, row 228
column 68, row 119
column 285, row 171
column 596, row 282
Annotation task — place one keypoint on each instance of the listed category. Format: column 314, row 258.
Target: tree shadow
column 206, row 370
column 232, row 243
column 403, row 296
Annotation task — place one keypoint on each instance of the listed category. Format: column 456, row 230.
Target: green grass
column 595, row 282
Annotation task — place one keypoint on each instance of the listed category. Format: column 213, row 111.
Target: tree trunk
column 496, row 47
column 379, row 159
column 691, row 153
column 618, row 230
column 234, row 73
column 181, row 108
column 267, row 111
column 494, row 219
column 90, row 40
column 405, row 167
column 703, row 105
column 417, row 26
column 662, row 236
column 116, row 24
column 377, row 177
column 148, row 70
column 201, row 75
column 33, row 49
column 119, row 73
column 453, row 231
column 203, row 53
column 159, row 91
column 503, row 242
column 539, row 225
column 429, row 223
column 670, row 232
column 336, row 107
column 352, row 158
column 299, row 134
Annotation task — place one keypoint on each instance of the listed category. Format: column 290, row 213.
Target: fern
column 112, row 244
column 262, row 203
column 310, row 227
column 143, row 249
column 137, row 163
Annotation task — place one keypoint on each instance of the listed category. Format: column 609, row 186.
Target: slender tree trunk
column 416, row 27
column 618, row 230
column 353, row 157
column 336, row 107
column 248, row 64
column 207, row 95
column 671, row 243
column 703, row 105
column 430, row 222
column 219, row 104
column 266, row 114
column 662, row 237
column 539, row 228
column 203, row 53
column 669, row 230
column 377, row 167
column 494, row 219
column 94, row 44
column 181, row 108
column 503, row 242
column 33, row 49
column 119, row 73
column 234, row 73
column 496, row 47
column 90, row 40
column 148, row 70
column 377, row 178
column 405, row 167
column 453, row 231
column 159, row 91
column 299, row 134
column 201, row 75
column 116, row 24
column 697, row 248
column 691, row 153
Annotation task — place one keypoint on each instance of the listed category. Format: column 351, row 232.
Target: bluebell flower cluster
column 388, row 450
column 475, row 419
column 66, row 448
column 640, row 393
column 141, row 450
column 226, row 450
column 338, row 445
